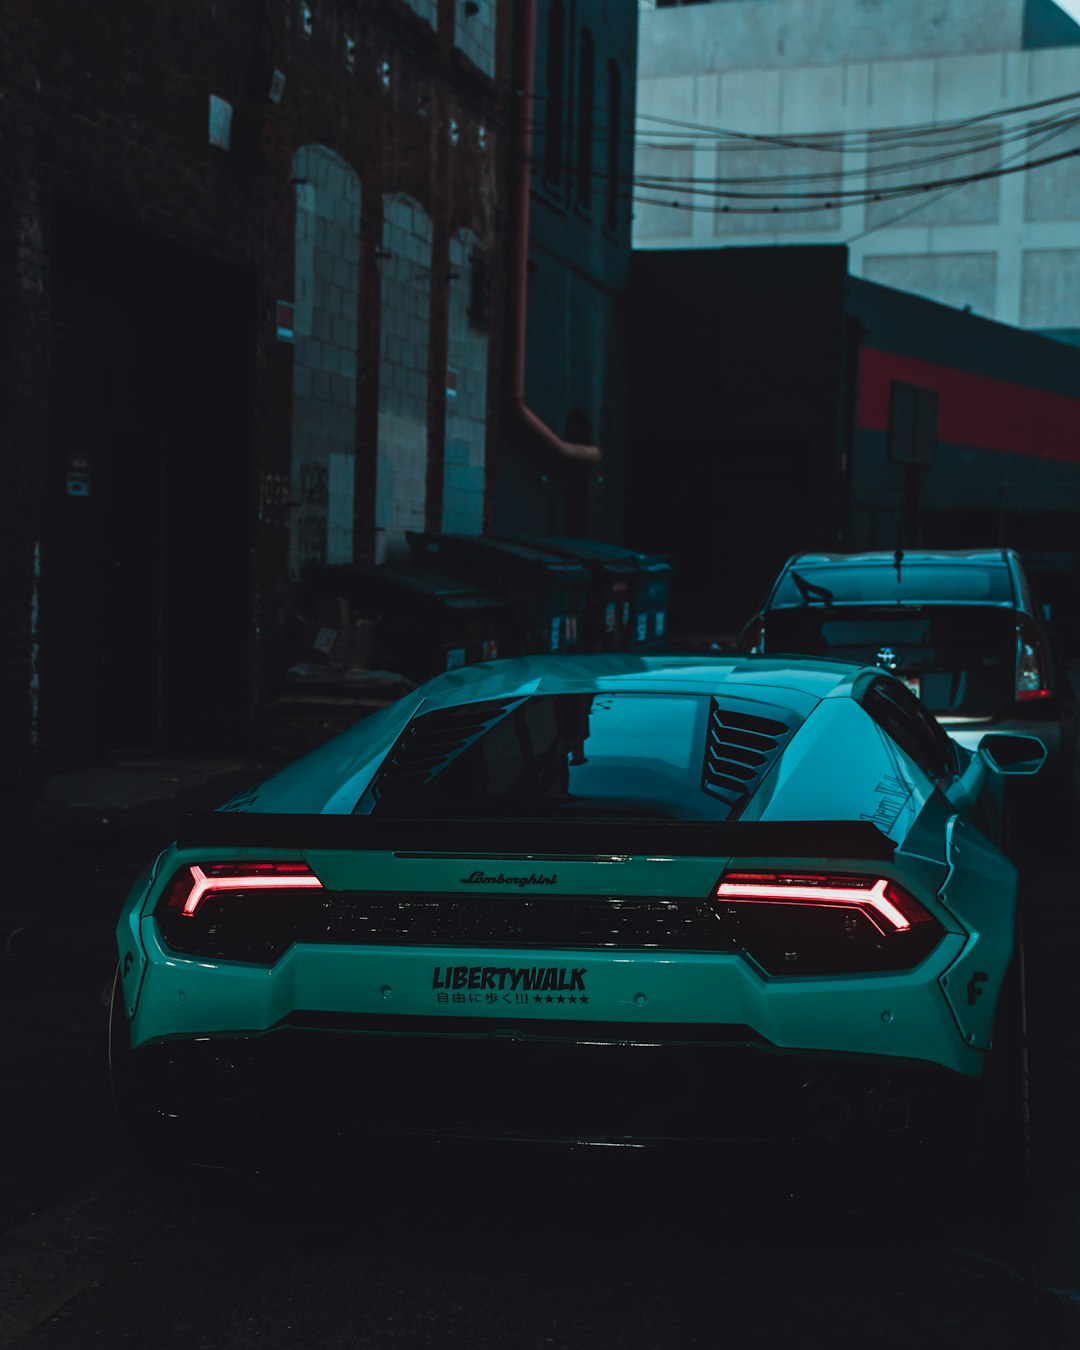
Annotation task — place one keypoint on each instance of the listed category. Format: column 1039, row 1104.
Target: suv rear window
column 877, row 583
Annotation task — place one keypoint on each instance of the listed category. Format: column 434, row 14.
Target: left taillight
column 194, row 882
column 1032, row 663
column 813, row 923
column 238, row 911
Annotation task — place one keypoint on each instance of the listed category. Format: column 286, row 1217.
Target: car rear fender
column 131, row 953
column 981, row 891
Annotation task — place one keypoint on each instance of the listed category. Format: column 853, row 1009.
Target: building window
column 586, row 101
column 553, row 120
column 613, row 135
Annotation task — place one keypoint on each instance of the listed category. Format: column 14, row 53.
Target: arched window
column 586, row 101
column 553, row 113
column 614, row 113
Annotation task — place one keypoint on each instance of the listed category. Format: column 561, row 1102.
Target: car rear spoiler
column 505, row 838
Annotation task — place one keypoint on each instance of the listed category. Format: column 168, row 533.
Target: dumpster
column 426, row 621
column 609, row 622
column 549, row 593
column 642, row 609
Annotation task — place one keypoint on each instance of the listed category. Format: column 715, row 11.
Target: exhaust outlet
column 889, row 1112
column 832, row 1111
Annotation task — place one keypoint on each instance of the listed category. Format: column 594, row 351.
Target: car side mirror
column 1012, row 753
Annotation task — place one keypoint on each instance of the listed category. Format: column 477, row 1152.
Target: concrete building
column 837, row 413
column 757, row 116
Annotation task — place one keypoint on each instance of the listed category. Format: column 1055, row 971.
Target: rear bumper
column 234, row 1099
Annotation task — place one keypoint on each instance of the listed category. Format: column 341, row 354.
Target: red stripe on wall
column 974, row 409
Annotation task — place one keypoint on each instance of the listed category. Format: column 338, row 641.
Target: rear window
column 608, row 756
column 878, row 583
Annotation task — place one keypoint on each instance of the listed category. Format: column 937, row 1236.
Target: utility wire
column 867, row 195
column 822, row 139
column 818, row 201
column 937, row 196
column 885, row 168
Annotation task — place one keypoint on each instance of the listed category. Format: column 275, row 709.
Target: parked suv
column 959, row 627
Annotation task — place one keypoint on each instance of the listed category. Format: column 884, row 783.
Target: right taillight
column 813, row 923
column 1032, row 663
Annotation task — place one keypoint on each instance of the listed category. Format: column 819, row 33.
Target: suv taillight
column 1032, row 663
column 813, row 923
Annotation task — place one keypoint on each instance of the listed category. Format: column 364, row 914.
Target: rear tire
column 135, row 1120
column 1002, row 1126
column 119, row 1060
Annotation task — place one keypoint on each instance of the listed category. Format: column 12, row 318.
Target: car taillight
column 813, row 923
column 194, row 882
column 1032, row 664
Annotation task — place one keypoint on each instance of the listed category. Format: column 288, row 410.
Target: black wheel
column 119, row 1059
column 1002, row 1126
column 139, row 1125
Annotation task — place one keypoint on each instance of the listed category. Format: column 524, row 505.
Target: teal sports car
column 608, row 899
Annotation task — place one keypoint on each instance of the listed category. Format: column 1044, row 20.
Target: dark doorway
column 728, row 511
column 145, row 573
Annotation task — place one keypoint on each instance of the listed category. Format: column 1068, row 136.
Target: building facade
column 282, row 282
column 251, row 274
column 835, row 413
column 901, row 128
column 574, row 76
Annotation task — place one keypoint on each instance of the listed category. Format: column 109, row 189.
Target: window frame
column 922, row 738
column 586, row 114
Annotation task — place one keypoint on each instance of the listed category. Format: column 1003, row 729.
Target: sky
column 1071, row 7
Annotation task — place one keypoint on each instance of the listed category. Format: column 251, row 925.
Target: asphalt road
column 492, row 1248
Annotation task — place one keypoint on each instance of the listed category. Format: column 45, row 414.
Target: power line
column 814, row 140
column 818, row 201
column 867, row 195
column 1035, row 133
column 843, row 141
column 944, row 192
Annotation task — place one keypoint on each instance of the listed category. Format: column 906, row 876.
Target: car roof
column 916, row 556
column 798, row 682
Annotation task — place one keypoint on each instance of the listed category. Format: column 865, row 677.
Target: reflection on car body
column 600, row 899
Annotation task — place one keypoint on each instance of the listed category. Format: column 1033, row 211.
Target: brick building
column 269, row 272
column 241, row 245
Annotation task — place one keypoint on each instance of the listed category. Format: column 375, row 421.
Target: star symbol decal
column 550, row 998
column 537, row 998
column 571, row 999
column 584, row 999
column 560, row 999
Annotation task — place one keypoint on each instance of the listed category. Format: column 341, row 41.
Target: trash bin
column 425, row 620
column 549, row 593
column 642, row 609
column 613, row 580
